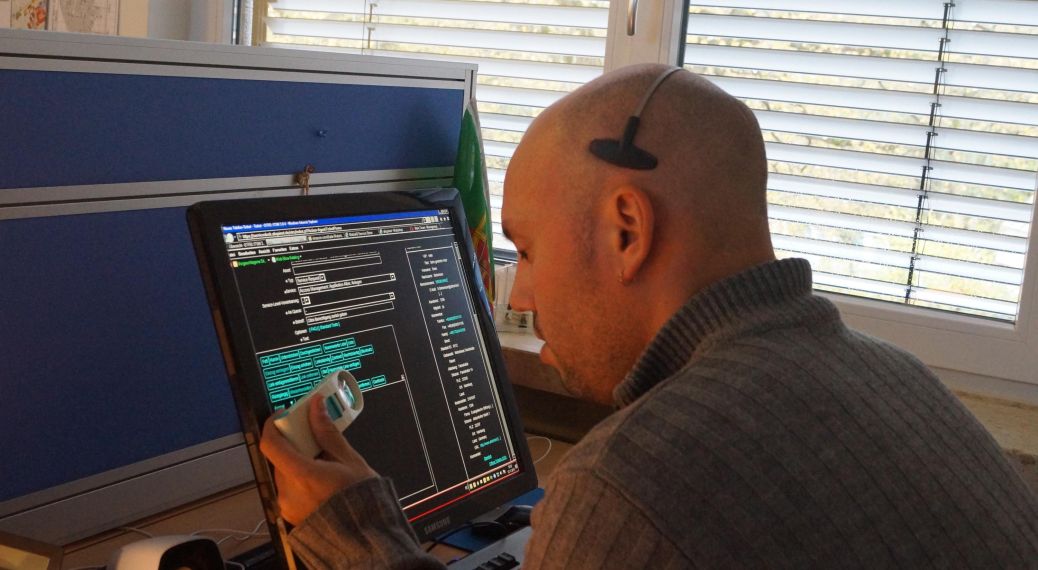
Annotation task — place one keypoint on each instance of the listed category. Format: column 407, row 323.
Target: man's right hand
column 305, row 483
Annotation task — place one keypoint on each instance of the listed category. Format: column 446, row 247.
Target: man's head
column 607, row 254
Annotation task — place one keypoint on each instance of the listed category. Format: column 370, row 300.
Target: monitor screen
column 390, row 297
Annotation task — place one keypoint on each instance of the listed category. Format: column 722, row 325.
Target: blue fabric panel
column 61, row 128
column 108, row 349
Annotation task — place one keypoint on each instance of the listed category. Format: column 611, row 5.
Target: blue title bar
column 295, row 224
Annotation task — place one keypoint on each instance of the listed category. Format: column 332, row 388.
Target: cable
column 239, row 535
column 543, row 455
column 137, row 530
column 127, row 528
column 652, row 89
column 623, row 152
column 237, row 564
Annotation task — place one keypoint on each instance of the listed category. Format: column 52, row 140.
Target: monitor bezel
column 206, row 220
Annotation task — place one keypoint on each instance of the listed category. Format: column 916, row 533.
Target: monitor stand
column 503, row 554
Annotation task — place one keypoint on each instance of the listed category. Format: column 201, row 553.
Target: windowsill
column 1014, row 425
column 520, row 341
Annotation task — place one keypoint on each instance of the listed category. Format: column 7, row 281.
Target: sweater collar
column 762, row 296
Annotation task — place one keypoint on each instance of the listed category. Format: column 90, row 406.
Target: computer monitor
column 384, row 286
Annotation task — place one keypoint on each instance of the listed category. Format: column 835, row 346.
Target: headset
column 622, row 152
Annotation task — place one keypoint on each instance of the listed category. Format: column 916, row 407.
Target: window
column 530, row 53
column 902, row 136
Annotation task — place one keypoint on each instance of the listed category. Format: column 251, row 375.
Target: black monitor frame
column 206, row 220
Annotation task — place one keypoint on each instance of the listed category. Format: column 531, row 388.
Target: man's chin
column 548, row 357
column 570, row 382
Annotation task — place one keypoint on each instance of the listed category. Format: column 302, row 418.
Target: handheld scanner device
column 343, row 400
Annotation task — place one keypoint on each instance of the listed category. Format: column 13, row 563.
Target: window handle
column 632, row 15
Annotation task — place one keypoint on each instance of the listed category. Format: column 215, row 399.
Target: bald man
column 753, row 429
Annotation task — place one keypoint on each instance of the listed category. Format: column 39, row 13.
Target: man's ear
column 631, row 222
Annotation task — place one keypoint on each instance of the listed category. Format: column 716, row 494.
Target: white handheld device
column 342, row 399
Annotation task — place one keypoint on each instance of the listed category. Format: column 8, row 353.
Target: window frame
column 995, row 357
column 979, row 354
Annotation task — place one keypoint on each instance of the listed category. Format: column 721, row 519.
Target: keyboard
column 502, row 555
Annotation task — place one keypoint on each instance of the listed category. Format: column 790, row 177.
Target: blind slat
column 844, row 37
column 822, row 64
column 888, row 8
column 903, row 147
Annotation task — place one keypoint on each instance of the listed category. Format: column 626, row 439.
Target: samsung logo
column 429, row 528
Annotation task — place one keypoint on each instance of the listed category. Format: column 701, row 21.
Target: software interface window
column 343, row 294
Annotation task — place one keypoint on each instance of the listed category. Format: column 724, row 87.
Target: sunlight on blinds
column 530, row 52
column 902, row 138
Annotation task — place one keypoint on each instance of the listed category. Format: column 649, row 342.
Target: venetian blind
column 902, row 138
column 530, row 52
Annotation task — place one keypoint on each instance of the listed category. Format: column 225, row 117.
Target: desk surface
column 239, row 510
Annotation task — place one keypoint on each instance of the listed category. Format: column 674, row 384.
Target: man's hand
column 304, row 483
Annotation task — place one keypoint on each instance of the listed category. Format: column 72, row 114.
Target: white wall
column 196, row 20
column 169, row 19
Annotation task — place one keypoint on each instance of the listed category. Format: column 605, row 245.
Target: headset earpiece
column 623, row 152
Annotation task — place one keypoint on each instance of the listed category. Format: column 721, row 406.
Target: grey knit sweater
column 755, row 431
